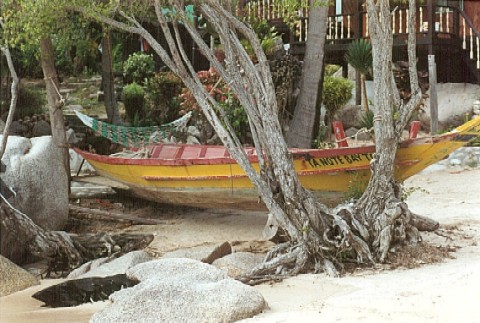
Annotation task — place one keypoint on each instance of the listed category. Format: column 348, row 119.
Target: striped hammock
column 134, row 137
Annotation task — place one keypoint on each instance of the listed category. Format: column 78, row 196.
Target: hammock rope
column 135, row 137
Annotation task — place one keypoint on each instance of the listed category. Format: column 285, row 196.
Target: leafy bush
column 163, row 97
column 134, row 100
column 235, row 113
column 30, row 101
column 336, row 93
column 331, row 69
column 138, row 68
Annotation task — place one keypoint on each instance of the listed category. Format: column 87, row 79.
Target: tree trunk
column 364, row 92
column 63, row 251
column 385, row 218
column 108, row 80
column 57, row 121
column 301, row 130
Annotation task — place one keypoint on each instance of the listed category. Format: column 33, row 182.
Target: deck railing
column 448, row 22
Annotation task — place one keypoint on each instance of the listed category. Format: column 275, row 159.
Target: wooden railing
column 447, row 21
column 470, row 39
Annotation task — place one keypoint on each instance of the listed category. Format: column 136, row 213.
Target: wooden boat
column 206, row 176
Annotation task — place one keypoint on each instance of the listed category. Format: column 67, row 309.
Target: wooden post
column 431, row 25
column 432, row 75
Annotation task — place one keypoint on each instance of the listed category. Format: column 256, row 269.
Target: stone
column 111, row 266
column 206, row 254
column 34, row 169
column 14, row 278
column 177, row 268
column 239, row 263
column 181, row 290
column 350, row 115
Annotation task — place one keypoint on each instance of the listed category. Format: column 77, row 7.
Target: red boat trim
column 191, row 178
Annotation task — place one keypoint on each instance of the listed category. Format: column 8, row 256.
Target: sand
column 442, row 292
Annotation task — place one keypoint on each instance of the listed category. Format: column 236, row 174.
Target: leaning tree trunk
column 108, row 79
column 55, row 103
column 385, row 217
column 301, row 130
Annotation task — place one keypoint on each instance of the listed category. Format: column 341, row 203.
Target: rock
column 79, row 291
column 181, row 290
column 192, row 140
column 350, row 115
column 14, row 278
column 178, row 269
column 104, row 267
column 34, row 170
column 206, row 254
column 239, row 263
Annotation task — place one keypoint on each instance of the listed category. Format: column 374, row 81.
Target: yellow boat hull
column 206, row 176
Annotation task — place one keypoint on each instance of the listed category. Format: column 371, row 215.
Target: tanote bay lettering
column 338, row 160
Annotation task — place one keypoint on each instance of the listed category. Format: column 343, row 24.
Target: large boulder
column 239, row 263
column 109, row 267
column 14, row 278
column 181, row 290
column 35, row 171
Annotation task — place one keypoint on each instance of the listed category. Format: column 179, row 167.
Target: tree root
column 63, row 251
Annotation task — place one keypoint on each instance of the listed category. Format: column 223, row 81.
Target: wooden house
column 448, row 29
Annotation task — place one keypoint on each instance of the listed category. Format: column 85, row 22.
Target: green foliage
column 408, row 191
column 359, row 55
column 331, row 69
column 234, row 112
column 336, row 93
column 30, row 101
column 26, row 61
column 366, row 120
column 356, row 186
column 134, row 100
column 162, row 98
column 138, row 68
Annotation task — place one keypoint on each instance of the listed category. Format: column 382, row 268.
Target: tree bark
column 383, row 216
column 108, row 79
column 57, row 120
column 63, row 251
column 301, row 132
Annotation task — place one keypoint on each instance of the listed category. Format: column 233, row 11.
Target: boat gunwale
column 297, row 153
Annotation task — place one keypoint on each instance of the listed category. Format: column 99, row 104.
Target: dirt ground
column 415, row 291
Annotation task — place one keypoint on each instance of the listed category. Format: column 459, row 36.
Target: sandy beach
column 441, row 292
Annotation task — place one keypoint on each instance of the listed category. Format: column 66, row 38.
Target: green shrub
column 30, row 101
column 225, row 97
column 134, row 100
column 138, row 68
column 331, row 69
column 162, row 97
column 336, row 93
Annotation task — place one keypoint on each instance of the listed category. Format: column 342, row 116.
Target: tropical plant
column 162, row 97
column 134, row 99
column 138, row 68
column 337, row 92
column 359, row 55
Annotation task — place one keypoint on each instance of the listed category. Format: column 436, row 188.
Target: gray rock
column 33, row 169
column 104, row 267
column 239, row 263
column 350, row 115
column 206, row 254
column 14, row 278
column 164, row 295
column 177, row 269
